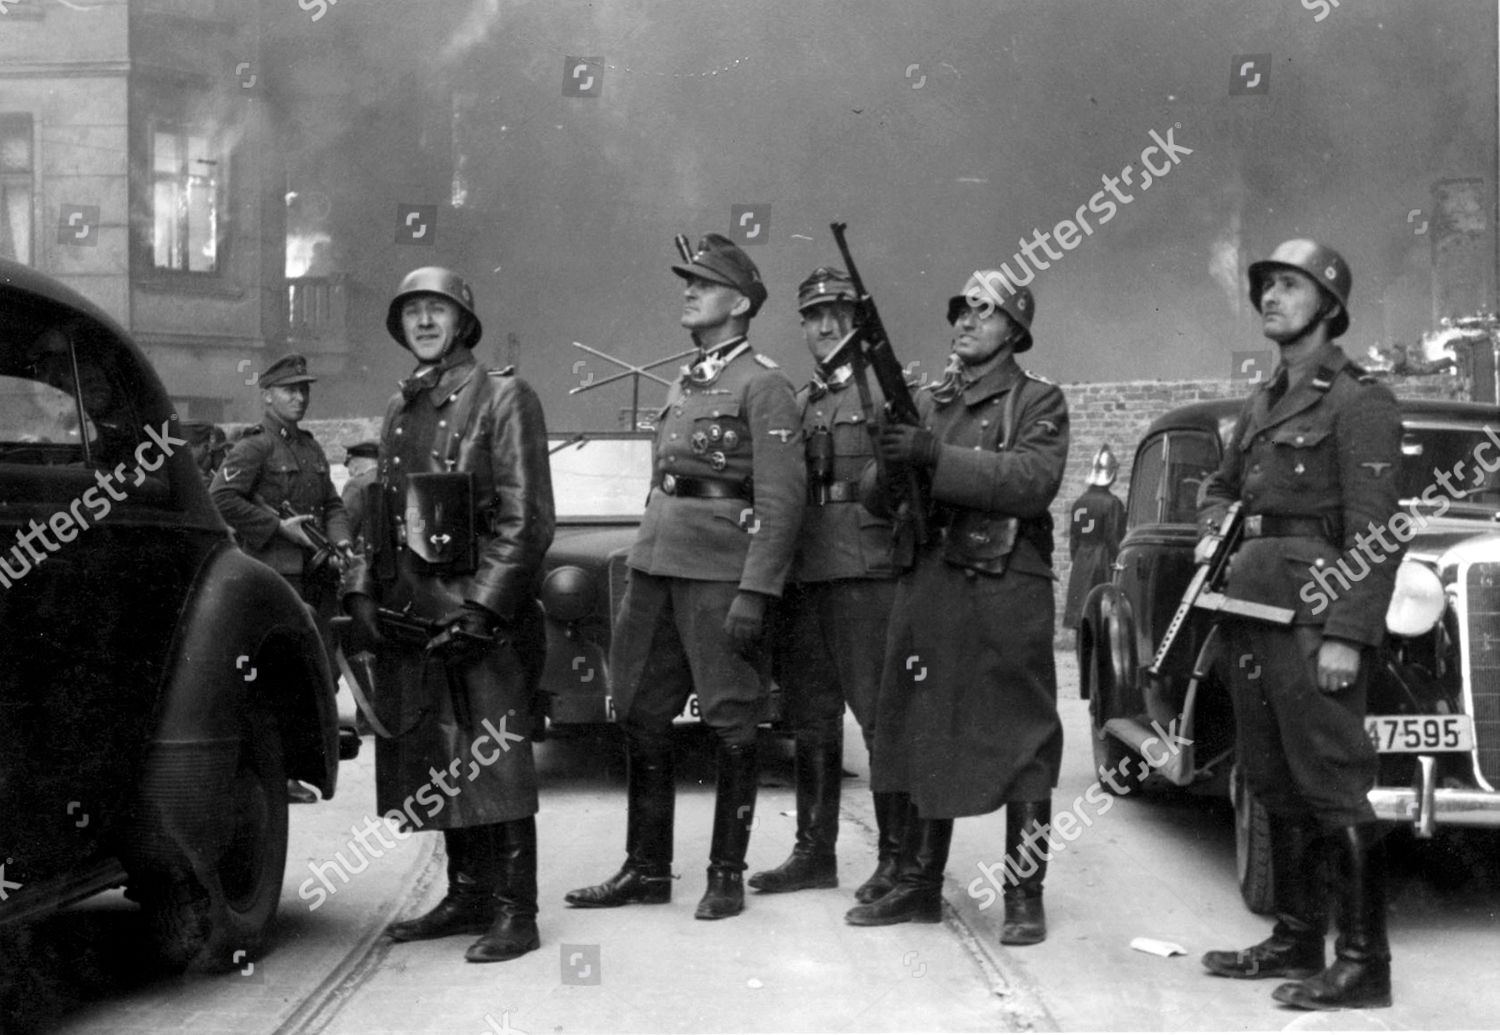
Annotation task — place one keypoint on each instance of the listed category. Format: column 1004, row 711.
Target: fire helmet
column 1105, row 468
column 990, row 287
column 434, row 280
column 1325, row 266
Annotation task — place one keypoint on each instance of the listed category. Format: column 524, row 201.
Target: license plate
column 689, row 713
column 1396, row 734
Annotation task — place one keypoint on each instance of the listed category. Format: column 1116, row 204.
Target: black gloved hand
column 364, row 630
column 902, row 445
column 467, row 632
column 746, row 622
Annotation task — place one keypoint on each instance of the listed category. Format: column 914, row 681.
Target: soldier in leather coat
column 1314, row 458
column 966, row 721
column 830, row 630
column 713, row 551
column 456, row 528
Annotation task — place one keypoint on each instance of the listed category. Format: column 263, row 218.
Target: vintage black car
column 599, row 482
column 157, row 686
column 1435, row 696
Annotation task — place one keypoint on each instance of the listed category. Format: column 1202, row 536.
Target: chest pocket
column 718, row 431
column 849, row 435
column 1303, row 455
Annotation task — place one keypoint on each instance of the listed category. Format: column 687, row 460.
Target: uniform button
column 1255, row 468
column 1299, row 469
column 984, row 423
column 398, row 431
column 1299, row 440
column 672, row 434
column 442, row 424
column 395, row 459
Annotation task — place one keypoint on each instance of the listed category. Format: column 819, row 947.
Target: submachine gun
column 868, row 347
column 1205, row 595
column 327, row 558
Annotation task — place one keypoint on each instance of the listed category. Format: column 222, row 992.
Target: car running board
column 1168, row 754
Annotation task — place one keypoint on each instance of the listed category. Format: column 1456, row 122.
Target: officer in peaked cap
column 1313, row 458
column 966, row 718
column 712, row 554
column 277, row 462
column 830, row 629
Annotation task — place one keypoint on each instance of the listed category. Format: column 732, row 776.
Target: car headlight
column 569, row 593
column 1418, row 602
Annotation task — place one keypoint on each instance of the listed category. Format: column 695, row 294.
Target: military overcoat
column 967, row 714
column 462, row 418
column 1096, row 524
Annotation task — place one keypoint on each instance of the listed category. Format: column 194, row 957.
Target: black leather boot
column 1295, row 948
column 469, row 905
column 734, row 812
column 514, row 931
column 1360, row 976
column 813, row 863
column 1025, row 919
column 646, row 877
column 890, row 823
column 918, row 893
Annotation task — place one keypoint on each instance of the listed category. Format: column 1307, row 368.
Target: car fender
column 245, row 640
column 1109, row 645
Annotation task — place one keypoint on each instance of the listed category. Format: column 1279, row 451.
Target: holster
column 980, row 541
column 438, row 524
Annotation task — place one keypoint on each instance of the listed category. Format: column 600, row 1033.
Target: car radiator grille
column 1482, row 650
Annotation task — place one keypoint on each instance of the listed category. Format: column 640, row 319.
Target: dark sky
column 941, row 131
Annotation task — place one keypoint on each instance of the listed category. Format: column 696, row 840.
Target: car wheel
column 216, row 916
column 1252, row 844
column 1117, row 768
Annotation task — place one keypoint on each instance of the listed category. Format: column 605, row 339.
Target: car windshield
column 1457, row 462
column 600, row 475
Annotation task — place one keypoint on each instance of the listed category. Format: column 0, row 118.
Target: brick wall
column 1113, row 412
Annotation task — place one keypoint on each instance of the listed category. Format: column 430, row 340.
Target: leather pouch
column 439, row 521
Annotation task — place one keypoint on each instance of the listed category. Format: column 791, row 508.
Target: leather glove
column 466, row 633
column 905, row 446
column 364, row 630
column 746, row 622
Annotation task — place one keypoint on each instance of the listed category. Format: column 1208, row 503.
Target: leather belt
column 1270, row 526
column 705, row 488
column 833, row 492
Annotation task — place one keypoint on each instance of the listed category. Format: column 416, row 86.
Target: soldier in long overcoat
column 1313, row 458
column 1096, row 524
column 456, row 528
column 830, row 630
column 966, row 721
column 712, row 554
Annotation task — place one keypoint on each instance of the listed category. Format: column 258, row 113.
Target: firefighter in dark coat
column 966, row 722
column 1096, row 524
column 713, row 552
column 830, row 629
column 456, row 527
column 1314, row 458
column 277, row 462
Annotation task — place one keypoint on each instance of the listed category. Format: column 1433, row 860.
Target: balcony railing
column 317, row 308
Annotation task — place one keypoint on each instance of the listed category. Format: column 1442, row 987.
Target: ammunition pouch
column 981, row 542
column 438, row 526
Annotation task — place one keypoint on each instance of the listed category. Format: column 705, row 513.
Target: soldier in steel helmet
column 276, row 462
column 456, row 526
column 1096, row 524
column 830, row 629
column 1313, row 457
column 966, row 720
column 713, row 552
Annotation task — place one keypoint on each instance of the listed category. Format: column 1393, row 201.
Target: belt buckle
column 1252, row 526
column 669, row 484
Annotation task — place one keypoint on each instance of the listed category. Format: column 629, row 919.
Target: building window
column 187, row 192
column 17, row 168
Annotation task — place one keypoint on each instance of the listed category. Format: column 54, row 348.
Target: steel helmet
column 433, row 280
column 1325, row 266
column 992, row 287
column 1105, row 468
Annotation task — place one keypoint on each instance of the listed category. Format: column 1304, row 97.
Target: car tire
column 217, row 917
column 1112, row 758
column 1252, row 845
